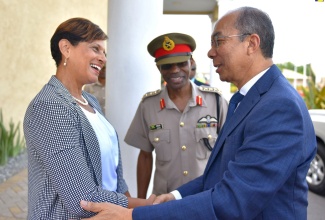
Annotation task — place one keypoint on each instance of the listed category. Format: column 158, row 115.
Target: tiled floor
column 13, row 197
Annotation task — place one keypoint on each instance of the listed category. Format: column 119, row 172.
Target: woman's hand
column 135, row 202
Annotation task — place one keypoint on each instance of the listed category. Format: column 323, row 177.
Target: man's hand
column 164, row 198
column 106, row 211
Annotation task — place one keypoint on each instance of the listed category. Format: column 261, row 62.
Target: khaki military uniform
column 177, row 137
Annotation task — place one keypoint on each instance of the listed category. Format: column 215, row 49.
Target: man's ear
column 253, row 43
column 64, row 46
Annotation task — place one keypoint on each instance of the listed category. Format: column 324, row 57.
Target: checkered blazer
column 64, row 161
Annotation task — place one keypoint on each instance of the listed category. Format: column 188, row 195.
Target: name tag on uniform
column 156, row 127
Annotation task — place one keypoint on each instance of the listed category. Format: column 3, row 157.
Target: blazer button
column 209, row 136
column 182, row 124
column 185, row 173
column 183, row 147
column 156, row 139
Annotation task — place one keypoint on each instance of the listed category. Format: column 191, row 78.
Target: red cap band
column 179, row 48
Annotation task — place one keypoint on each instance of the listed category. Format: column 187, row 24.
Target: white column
column 131, row 71
column 215, row 79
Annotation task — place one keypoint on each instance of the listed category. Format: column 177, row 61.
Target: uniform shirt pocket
column 160, row 139
column 206, row 138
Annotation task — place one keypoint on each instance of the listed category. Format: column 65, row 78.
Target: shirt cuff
column 176, row 194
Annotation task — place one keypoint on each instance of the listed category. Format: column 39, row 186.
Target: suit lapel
column 241, row 112
column 92, row 147
column 252, row 97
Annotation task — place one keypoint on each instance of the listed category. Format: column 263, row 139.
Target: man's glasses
column 170, row 65
column 217, row 40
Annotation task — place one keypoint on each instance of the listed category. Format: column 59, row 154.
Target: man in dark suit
column 258, row 167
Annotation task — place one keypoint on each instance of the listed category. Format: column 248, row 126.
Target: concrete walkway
column 13, row 197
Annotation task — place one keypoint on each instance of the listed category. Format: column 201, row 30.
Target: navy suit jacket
column 258, row 166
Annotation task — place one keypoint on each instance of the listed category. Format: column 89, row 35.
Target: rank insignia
column 199, row 100
column 155, row 127
column 168, row 44
column 151, row 94
column 207, row 121
column 162, row 104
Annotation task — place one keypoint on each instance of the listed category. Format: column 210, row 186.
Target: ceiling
column 190, row 6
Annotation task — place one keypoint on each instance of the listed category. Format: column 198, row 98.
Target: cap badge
column 168, row 44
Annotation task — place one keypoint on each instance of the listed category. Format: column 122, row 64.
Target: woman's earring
column 65, row 62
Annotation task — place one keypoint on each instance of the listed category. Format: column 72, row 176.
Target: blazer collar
column 252, row 97
column 88, row 132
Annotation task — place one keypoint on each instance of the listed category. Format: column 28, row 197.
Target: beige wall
column 26, row 28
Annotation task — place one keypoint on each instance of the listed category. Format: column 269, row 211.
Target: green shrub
column 314, row 96
column 11, row 141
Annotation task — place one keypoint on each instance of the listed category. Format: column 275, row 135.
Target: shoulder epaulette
column 149, row 94
column 210, row 89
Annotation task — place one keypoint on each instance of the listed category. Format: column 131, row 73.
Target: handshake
column 106, row 210
column 152, row 200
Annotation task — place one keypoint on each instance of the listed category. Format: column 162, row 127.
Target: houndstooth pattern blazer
column 64, row 161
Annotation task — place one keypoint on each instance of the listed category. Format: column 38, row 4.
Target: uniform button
column 182, row 124
column 185, row 173
column 183, row 147
column 156, row 139
column 210, row 136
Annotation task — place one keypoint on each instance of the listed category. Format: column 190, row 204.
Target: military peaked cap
column 172, row 48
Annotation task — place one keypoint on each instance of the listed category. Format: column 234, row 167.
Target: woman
column 73, row 151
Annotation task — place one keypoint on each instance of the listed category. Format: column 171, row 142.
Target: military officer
column 180, row 122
